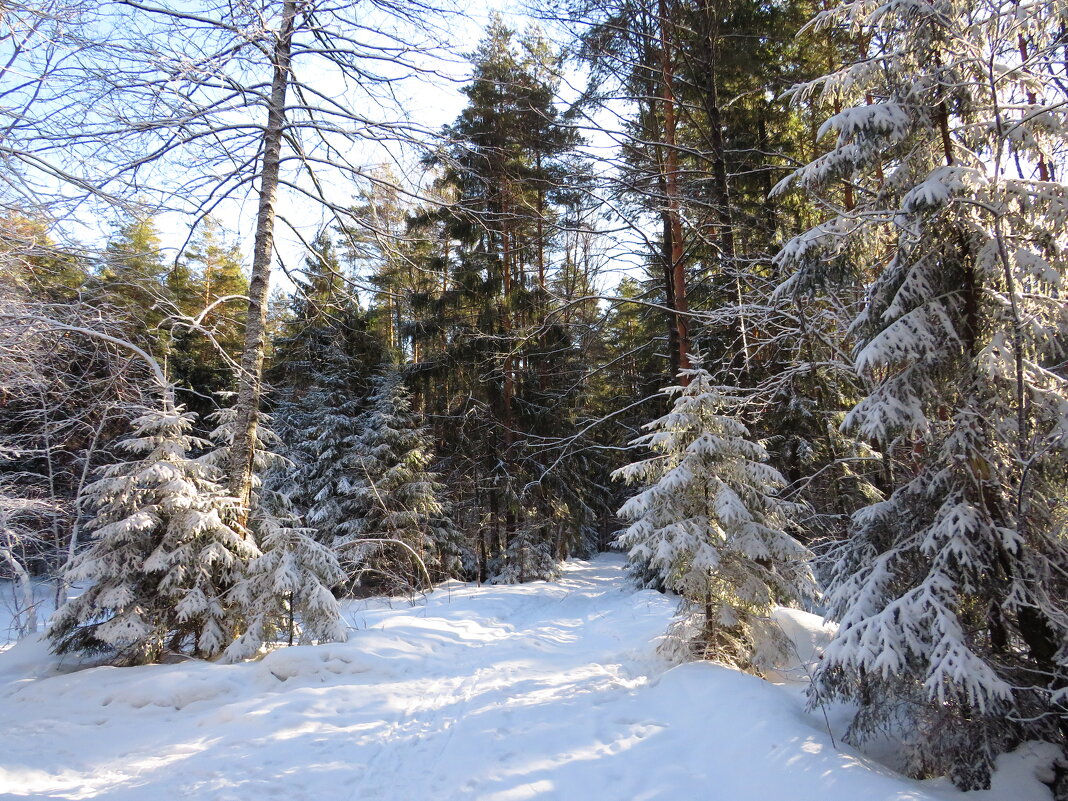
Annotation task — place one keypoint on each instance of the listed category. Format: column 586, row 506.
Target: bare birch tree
column 213, row 105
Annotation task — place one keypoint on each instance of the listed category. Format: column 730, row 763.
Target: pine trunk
column 671, row 187
column 721, row 198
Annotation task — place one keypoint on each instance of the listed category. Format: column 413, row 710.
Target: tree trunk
column 721, row 198
column 291, row 621
column 250, row 381
column 671, row 187
column 26, row 615
column 654, row 134
column 652, row 131
column 669, row 288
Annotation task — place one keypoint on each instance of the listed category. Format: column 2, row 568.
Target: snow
column 547, row 691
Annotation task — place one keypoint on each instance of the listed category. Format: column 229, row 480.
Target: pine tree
column 487, row 335
column 951, row 593
column 396, row 498
column 33, row 265
column 133, row 282
column 203, row 359
column 217, row 266
column 164, row 556
column 376, row 247
column 708, row 522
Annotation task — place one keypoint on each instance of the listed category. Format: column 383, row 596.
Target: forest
column 307, row 301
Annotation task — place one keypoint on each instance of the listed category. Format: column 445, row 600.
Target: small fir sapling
column 285, row 593
column 164, row 556
column 708, row 524
column 529, row 555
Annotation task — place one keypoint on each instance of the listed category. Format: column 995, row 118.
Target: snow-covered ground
column 543, row 691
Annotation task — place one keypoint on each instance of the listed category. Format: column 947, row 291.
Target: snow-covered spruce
column 398, row 534
column 530, row 553
column 951, row 594
column 321, row 431
column 285, row 594
column 266, row 455
column 708, row 523
column 165, row 553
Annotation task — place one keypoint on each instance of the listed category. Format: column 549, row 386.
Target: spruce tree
column 266, row 456
column 164, row 556
column 326, row 321
column 203, row 359
column 951, row 593
column 396, row 498
column 285, row 593
column 321, row 432
column 708, row 522
column 322, row 366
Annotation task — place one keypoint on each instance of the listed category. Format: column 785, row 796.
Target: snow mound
column 808, row 635
column 318, row 663
column 176, row 690
column 27, row 659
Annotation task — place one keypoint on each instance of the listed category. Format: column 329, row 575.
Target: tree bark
column 250, row 381
column 654, row 134
column 721, row 197
column 671, row 187
column 26, row 625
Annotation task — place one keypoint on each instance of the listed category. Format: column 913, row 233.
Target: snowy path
column 543, row 691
